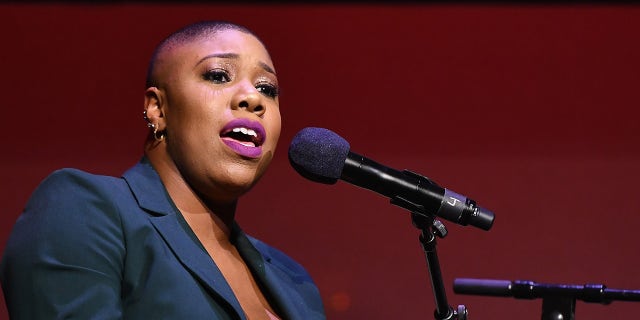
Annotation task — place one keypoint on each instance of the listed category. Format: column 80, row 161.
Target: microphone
column 322, row 156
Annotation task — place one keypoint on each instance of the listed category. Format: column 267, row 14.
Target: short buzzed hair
column 188, row 34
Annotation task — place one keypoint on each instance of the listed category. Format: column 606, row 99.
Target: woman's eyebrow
column 219, row 55
column 231, row 55
column 267, row 68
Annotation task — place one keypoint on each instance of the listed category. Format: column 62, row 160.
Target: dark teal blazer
column 98, row 247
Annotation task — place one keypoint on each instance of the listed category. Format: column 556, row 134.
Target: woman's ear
column 153, row 108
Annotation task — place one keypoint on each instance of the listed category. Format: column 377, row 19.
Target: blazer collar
column 147, row 188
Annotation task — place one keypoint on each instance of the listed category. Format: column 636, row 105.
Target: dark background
column 531, row 110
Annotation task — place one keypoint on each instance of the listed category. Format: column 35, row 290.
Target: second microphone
column 321, row 155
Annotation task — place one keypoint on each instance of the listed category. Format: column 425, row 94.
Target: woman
column 161, row 242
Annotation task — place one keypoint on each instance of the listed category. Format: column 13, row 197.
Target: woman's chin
column 236, row 186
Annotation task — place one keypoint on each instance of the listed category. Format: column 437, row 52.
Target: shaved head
column 188, row 34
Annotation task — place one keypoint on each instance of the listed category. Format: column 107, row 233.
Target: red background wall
column 531, row 111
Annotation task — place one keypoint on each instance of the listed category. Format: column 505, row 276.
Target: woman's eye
column 217, row 76
column 268, row 90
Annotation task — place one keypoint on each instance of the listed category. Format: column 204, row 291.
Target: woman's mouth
column 244, row 137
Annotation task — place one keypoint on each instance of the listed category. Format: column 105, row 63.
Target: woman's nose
column 250, row 99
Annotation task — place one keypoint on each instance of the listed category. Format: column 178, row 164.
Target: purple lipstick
column 244, row 137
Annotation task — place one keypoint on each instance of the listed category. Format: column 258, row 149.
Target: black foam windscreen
column 318, row 154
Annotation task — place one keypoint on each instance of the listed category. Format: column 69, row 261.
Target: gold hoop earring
column 153, row 127
column 155, row 133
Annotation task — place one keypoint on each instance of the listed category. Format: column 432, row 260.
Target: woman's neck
column 206, row 218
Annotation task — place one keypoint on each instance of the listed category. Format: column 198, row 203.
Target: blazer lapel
column 196, row 260
column 276, row 283
column 151, row 196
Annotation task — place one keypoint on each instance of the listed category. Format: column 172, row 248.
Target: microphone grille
column 318, row 154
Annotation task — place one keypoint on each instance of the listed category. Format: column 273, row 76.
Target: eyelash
column 215, row 75
column 268, row 89
column 218, row 76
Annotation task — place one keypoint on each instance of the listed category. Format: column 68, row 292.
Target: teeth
column 246, row 131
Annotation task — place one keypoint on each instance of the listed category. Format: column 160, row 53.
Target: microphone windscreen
column 318, row 154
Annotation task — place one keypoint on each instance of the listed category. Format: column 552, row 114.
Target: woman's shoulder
column 72, row 176
column 71, row 191
column 74, row 183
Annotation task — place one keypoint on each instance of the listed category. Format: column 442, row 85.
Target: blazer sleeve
column 65, row 255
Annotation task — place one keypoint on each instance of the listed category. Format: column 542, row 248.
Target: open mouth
column 244, row 137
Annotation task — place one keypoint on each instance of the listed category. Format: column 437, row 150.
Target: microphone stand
column 558, row 300
column 430, row 228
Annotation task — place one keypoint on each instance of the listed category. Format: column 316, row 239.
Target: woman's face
column 221, row 112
